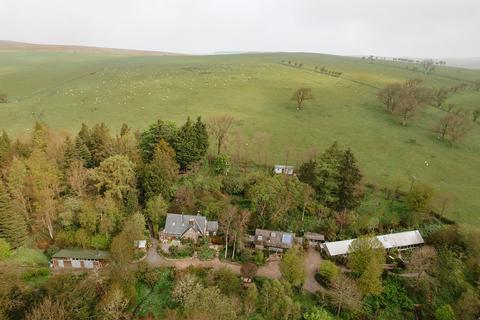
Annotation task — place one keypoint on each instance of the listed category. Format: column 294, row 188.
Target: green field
column 65, row 89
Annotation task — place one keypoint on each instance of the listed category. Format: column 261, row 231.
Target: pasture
column 65, row 89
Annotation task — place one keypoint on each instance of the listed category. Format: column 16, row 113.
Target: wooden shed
column 80, row 259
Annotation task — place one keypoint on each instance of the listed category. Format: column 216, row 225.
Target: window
column 260, row 238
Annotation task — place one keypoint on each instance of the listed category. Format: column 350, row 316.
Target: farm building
column 180, row 226
column 283, row 169
column 314, row 239
column 276, row 241
column 400, row 241
column 79, row 259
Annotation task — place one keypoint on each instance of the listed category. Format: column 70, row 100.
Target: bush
column 445, row 312
column 328, row 271
column 259, row 258
column 34, row 274
column 5, row 250
column 99, row 241
column 205, row 253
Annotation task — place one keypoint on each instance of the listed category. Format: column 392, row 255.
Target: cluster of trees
column 324, row 70
column 292, row 63
column 78, row 191
column 406, row 99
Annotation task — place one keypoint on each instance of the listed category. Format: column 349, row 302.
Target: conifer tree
column 12, row 224
column 161, row 173
column 191, row 143
column 5, row 145
column 349, row 177
column 152, row 136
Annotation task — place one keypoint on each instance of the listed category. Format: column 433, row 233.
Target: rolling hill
column 67, row 87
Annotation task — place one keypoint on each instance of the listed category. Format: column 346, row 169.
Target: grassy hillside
column 64, row 89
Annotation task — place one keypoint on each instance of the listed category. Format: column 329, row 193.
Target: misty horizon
column 430, row 29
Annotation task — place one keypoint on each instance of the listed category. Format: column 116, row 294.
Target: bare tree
column 412, row 97
column 240, row 224
column 227, row 220
column 423, row 261
column 389, row 96
column 345, row 294
column 428, row 65
column 219, row 128
column 302, row 95
column 3, row 98
column 453, row 127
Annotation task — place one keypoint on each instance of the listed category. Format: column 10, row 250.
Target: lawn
column 66, row 89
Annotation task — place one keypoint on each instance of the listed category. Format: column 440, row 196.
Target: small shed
column 80, row 259
column 314, row 239
column 283, row 169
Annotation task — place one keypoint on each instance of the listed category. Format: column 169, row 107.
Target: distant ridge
column 23, row 46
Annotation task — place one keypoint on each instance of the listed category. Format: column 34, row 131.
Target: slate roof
column 82, row 254
column 388, row 241
column 178, row 224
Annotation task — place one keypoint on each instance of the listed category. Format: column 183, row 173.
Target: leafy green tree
column 318, row 314
column 348, row 181
column 115, row 176
column 328, row 270
column 277, row 302
column 418, row 201
column 370, row 282
column 292, row 266
column 445, row 312
column 273, row 197
column 191, row 142
column 161, row 173
column 155, row 212
column 151, row 137
column 362, row 251
column 209, row 303
column 12, row 224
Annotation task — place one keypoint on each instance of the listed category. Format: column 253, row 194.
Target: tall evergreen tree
column 5, row 145
column 191, row 143
column 349, row 177
column 100, row 145
column 161, row 173
column 201, row 137
column 151, row 137
column 12, row 224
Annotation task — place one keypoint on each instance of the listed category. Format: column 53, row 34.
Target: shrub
column 259, row 258
column 445, row 312
column 328, row 271
column 5, row 250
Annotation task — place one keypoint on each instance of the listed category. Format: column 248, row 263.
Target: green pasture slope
column 66, row 89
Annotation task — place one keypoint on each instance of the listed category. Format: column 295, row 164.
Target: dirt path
column 312, row 261
column 271, row 270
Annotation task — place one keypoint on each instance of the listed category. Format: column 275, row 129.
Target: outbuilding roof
column 388, row 241
column 314, row 236
column 82, row 254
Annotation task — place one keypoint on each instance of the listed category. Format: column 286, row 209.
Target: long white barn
column 400, row 241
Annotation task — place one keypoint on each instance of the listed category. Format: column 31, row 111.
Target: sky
column 400, row 28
